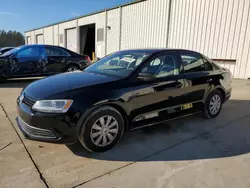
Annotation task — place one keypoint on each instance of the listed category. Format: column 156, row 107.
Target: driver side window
column 162, row 66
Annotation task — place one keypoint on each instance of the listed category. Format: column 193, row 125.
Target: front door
column 25, row 61
column 163, row 93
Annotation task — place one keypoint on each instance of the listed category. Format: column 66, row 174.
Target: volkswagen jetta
column 123, row 91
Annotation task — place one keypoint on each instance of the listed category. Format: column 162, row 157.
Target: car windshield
column 119, row 64
column 11, row 51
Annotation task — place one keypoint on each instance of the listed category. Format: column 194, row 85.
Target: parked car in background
column 5, row 49
column 40, row 60
column 123, row 91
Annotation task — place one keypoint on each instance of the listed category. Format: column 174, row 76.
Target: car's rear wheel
column 102, row 130
column 2, row 79
column 72, row 68
column 213, row 104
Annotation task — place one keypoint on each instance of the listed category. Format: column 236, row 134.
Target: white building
column 219, row 29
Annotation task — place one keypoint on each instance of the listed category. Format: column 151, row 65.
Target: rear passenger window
column 51, row 51
column 208, row 65
column 192, row 62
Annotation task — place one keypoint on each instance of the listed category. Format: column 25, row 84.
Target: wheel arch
column 72, row 64
column 86, row 114
column 219, row 88
column 223, row 93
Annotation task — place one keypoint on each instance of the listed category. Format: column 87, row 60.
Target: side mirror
column 145, row 76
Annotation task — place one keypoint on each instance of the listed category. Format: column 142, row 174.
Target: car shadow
column 17, row 83
column 188, row 138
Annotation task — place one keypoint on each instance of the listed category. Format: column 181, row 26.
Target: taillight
column 88, row 59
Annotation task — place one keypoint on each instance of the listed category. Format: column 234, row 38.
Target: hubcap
column 104, row 130
column 72, row 69
column 215, row 104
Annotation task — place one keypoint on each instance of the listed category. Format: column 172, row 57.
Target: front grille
column 34, row 131
column 29, row 102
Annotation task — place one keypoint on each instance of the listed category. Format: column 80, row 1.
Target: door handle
column 209, row 80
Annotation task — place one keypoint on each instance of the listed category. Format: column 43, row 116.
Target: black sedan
column 5, row 49
column 40, row 60
column 123, row 91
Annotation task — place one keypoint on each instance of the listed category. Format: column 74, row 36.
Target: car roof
column 139, row 50
column 155, row 50
column 42, row 45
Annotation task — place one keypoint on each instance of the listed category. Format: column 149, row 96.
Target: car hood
column 54, row 85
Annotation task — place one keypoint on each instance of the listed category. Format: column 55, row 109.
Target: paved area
column 189, row 152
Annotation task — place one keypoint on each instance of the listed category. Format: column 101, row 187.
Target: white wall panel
column 48, row 35
column 144, row 24
column 219, row 29
column 56, row 35
column 38, row 32
column 28, row 41
column 113, row 35
column 39, row 39
column 243, row 42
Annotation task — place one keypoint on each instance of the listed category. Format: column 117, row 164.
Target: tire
column 92, row 132
column 3, row 79
column 216, row 98
column 72, row 68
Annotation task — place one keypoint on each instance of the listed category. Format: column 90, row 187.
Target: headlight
column 52, row 106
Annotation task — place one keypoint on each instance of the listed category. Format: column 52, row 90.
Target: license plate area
column 186, row 106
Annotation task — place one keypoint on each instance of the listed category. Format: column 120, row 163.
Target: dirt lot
column 190, row 152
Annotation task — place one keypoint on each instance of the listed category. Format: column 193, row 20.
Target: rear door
column 25, row 61
column 57, row 59
column 197, row 73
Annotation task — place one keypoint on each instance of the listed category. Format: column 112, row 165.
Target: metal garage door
column 39, row 39
column 71, row 39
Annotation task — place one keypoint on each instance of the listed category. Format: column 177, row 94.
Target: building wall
column 113, row 35
column 62, row 30
column 219, row 29
column 99, row 20
column 48, row 35
column 56, row 35
column 145, row 24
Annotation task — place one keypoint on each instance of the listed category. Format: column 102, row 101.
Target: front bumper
column 45, row 127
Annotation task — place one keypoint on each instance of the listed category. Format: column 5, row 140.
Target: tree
column 11, row 38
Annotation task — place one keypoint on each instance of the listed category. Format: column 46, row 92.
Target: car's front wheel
column 213, row 104
column 102, row 130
